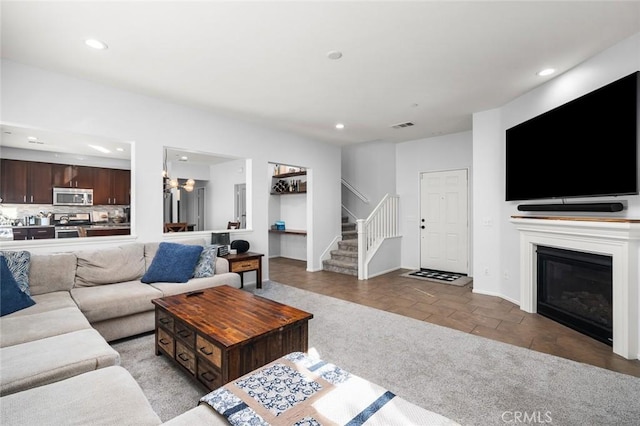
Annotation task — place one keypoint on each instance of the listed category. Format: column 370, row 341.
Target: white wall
column 221, row 192
column 450, row 152
column 370, row 168
column 496, row 247
column 38, row 98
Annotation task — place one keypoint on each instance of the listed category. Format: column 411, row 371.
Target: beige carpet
column 470, row 379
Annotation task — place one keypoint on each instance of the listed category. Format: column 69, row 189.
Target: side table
column 246, row 262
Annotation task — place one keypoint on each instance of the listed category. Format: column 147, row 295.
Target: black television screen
column 584, row 148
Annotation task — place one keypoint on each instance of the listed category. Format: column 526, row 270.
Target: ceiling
column 429, row 63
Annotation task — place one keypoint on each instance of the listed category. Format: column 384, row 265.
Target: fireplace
column 616, row 238
column 575, row 289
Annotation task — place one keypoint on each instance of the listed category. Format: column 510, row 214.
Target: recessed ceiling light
column 183, row 158
column 546, row 71
column 120, row 149
column 96, row 44
column 339, row 126
column 334, row 54
column 100, row 148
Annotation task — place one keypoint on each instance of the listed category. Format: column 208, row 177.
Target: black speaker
column 240, row 245
column 575, row 207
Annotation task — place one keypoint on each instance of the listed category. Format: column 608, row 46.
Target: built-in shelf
column 288, row 175
column 289, row 231
column 289, row 193
column 283, row 183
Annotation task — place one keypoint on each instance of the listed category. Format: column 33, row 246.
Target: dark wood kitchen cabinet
column 30, row 182
column 65, row 175
column 34, row 233
column 111, row 186
column 26, row 182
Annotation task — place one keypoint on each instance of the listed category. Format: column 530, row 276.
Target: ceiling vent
column 402, row 125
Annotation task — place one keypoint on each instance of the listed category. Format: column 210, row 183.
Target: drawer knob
column 164, row 341
column 183, row 357
column 206, row 351
column 208, row 376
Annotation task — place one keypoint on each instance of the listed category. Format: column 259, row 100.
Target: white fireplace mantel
column 615, row 237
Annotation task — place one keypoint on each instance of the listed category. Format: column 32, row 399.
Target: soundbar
column 576, row 207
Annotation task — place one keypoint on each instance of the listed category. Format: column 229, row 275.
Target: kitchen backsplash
column 12, row 212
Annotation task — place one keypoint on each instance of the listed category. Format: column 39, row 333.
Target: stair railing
column 382, row 223
column 353, row 190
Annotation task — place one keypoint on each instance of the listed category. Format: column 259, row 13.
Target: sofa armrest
column 222, row 265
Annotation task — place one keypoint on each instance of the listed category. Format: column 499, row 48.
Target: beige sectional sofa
column 83, row 300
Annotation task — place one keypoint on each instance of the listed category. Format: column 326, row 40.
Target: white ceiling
column 432, row 63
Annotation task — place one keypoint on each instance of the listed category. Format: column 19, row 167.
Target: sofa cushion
column 52, row 272
column 206, row 266
column 116, row 300
column 110, row 265
column 109, row 396
column 173, row 263
column 52, row 359
column 26, row 328
column 12, row 297
column 169, row 289
column 201, row 415
column 47, row 302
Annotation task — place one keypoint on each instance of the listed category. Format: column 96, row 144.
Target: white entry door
column 444, row 221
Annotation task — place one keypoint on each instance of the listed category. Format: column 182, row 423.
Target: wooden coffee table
column 221, row 333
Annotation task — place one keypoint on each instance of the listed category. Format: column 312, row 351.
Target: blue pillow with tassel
column 173, row 263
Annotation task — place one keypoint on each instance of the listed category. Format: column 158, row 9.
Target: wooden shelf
column 288, row 175
column 288, row 192
column 289, row 231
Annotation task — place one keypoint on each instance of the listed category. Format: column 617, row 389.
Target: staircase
column 345, row 259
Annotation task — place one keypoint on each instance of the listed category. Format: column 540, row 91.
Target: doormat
column 439, row 276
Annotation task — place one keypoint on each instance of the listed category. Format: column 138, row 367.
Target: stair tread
column 349, row 253
column 340, row 263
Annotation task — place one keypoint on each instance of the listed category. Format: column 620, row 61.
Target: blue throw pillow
column 206, row 266
column 173, row 263
column 18, row 263
column 13, row 299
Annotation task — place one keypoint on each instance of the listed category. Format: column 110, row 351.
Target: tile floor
column 455, row 307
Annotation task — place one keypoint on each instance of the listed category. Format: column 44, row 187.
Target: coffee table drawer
column 208, row 375
column 186, row 357
column 164, row 320
column 185, row 333
column 246, row 265
column 209, row 351
column 166, row 342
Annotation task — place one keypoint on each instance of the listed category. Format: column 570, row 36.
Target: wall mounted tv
column 587, row 147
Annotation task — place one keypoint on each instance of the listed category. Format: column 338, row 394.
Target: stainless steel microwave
column 72, row 197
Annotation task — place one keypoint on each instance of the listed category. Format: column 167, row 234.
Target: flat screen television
column 587, row 147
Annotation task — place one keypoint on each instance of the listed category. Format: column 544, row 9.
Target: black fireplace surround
column 576, row 289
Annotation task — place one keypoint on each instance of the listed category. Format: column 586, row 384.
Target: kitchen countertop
column 30, row 226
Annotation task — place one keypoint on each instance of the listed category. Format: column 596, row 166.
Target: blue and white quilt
column 300, row 390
